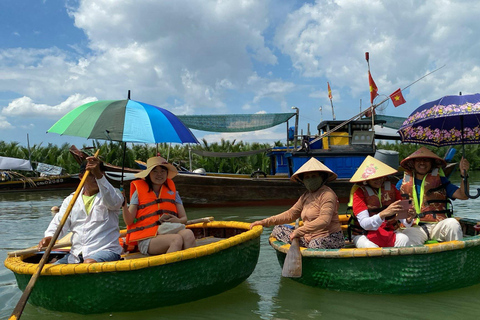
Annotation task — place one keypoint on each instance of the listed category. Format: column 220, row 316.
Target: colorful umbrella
column 447, row 121
column 125, row 121
column 450, row 120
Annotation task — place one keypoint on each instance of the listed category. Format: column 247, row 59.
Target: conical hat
column 314, row 165
column 372, row 168
column 423, row 152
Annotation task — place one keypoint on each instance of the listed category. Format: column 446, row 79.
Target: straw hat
column 313, row 165
column 372, row 168
column 423, row 152
column 157, row 161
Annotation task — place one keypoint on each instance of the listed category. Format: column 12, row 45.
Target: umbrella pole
column 464, row 173
column 123, row 164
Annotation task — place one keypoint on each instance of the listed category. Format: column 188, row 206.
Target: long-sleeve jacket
column 318, row 210
column 93, row 232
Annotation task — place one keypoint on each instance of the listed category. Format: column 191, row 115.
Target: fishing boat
column 226, row 254
column 342, row 146
column 420, row 269
column 44, row 177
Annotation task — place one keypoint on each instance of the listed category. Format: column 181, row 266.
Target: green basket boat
column 143, row 282
column 420, row 269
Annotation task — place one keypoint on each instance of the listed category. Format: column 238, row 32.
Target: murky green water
column 264, row 295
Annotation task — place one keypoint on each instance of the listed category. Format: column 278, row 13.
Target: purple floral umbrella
column 450, row 120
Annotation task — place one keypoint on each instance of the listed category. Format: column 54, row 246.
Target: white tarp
column 48, row 169
column 7, row 163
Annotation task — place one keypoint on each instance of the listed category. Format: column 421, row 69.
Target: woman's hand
column 391, row 210
column 411, row 215
column 293, row 235
column 44, row 242
column 257, row 223
column 464, row 166
column 93, row 165
column 169, row 218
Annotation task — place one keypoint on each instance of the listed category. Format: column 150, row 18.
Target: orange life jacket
column 384, row 236
column 433, row 208
column 150, row 209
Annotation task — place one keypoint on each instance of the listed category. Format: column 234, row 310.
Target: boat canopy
column 390, row 121
column 228, row 154
column 235, row 122
column 7, row 163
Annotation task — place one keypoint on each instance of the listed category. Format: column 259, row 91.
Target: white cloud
column 263, row 88
column 4, row 124
column 405, row 39
column 215, row 56
column 261, row 136
column 25, row 107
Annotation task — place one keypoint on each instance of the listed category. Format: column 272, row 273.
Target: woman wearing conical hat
column 317, row 207
column 376, row 204
column 425, row 183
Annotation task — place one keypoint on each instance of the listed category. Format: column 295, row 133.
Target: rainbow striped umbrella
column 125, row 121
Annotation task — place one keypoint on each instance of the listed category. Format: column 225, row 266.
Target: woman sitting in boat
column 376, row 203
column 154, row 205
column 424, row 182
column 318, row 208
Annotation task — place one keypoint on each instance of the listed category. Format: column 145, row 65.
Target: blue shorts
column 100, row 256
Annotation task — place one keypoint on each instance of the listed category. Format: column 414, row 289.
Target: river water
column 264, row 295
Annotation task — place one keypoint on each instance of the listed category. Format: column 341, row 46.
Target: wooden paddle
column 34, row 250
column 292, row 266
column 17, row 312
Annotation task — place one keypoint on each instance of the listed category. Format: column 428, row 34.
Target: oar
column 292, row 266
column 34, row 250
column 199, row 220
column 69, row 244
column 17, row 312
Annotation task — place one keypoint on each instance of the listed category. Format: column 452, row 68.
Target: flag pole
column 367, row 57
column 333, row 111
column 331, row 97
column 366, row 110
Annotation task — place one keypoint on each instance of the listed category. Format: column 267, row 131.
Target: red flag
column 373, row 87
column 397, row 98
column 329, row 92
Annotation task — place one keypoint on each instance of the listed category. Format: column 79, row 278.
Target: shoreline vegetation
column 112, row 152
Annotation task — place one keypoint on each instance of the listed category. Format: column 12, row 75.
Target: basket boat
column 225, row 256
column 420, row 269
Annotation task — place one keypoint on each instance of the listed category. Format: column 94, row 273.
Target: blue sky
column 224, row 57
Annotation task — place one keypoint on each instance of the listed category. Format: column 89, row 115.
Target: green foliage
column 112, row 152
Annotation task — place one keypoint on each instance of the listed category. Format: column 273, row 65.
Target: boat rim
column 378, row 252
column 17, row 265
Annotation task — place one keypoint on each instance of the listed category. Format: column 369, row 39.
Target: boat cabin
column 342, row 150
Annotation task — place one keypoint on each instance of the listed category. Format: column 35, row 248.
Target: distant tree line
column 112, row 152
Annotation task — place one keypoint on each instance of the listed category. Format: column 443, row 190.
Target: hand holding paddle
column 17, row 312
column 292, row 266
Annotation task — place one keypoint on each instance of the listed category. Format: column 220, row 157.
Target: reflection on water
column 264, row 295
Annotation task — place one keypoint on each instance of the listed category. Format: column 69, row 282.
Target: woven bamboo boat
column 142, row 282
column 419, row 269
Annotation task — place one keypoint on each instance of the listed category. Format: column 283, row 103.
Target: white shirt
column 374, row 222
column 96, row 231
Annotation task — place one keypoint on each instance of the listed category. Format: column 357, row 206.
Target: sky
column 228, row 57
